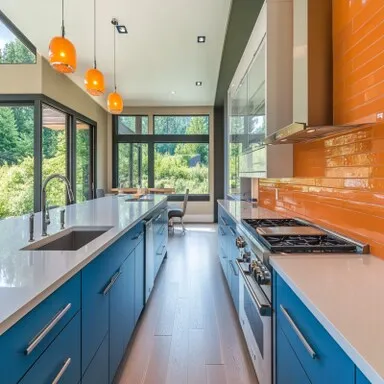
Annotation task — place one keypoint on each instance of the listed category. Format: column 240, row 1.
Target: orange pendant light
column 94, row 79
column 62, row 53
column 115, row 102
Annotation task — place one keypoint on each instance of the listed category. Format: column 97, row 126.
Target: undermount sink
column 70, row 239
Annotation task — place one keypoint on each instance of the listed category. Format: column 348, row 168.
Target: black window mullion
column 71, row 152
column 37, row 148
column 151, row 165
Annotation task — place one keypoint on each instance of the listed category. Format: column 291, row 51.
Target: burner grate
column 255, row 223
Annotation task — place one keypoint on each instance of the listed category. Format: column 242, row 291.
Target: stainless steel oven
column 255, row 312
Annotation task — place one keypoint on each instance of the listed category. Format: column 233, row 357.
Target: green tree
column 15, row 52
column 9, row 139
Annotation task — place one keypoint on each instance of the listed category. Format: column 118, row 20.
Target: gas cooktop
column 257, row 223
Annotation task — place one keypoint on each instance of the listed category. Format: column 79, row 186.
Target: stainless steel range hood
column 312, row 76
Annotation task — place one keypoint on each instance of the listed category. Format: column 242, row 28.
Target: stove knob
column 240, row 242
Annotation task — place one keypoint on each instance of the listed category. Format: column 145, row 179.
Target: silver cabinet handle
column 309, row 349
column 44, row 332
column 224, row 221
column 111, row 283
column 158, row 217
column 62, row 371
column 233, row 268
column 232, row 231
column 222, row 233
column 138, row 236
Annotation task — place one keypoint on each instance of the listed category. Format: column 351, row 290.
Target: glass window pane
column 132, row 165
column 83, row 161
column 12, row 50
column 181, row 166
column 16, row 160
column 54, row 153
column 128, row 125
column 181, row 125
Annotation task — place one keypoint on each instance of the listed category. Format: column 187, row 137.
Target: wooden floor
column 189, row 331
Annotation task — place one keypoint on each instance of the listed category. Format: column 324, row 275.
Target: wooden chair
column 178, row 213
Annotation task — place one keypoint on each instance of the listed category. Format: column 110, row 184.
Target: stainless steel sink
column 70, row 239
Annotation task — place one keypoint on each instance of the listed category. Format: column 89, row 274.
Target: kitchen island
column 334, row 301
column 75, row 303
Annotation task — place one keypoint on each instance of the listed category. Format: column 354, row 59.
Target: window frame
column 37, row 100
column 19, row 35
column 151, row 139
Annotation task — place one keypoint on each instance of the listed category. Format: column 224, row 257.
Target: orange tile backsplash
column 339, row 181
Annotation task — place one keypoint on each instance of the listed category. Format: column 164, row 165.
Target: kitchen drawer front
column 135, row 235
column 61, row 361
column 360, row 378
column 225, row 219
column 288, row 367
column 98, row 371
column 41, row 325
column 322, row 358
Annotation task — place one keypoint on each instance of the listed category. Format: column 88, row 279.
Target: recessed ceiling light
column 311, row 130
column 201, row 39
column 199, row 83
column 121, row 29
column 173, row 93
column 283, row 140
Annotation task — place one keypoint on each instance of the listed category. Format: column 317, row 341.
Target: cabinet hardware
column 224, row 221
column 222, row 233
column 137, row 236
column 44, row 332
column 232, row 231
column 111, row 283
column 233, row 268
column 309, row 349
column 62, row 371
column 162, row 250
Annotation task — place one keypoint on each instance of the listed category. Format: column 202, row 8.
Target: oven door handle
column 263, row 308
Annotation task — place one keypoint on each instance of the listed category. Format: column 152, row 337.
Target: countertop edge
column 352, row 353
column 6, row 324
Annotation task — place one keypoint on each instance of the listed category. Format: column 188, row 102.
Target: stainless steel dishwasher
column 149, row 258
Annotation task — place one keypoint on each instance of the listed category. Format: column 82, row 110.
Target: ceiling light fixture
column 94, row 79
column 62, row 53
column 201, row 39
column 115, row 101
column 310, row 130
column 199, row 83
column 173, row 93
column 121, row 29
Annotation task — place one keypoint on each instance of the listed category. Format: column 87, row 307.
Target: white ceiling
column 159, row 55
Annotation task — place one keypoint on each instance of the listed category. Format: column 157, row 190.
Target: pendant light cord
column 114, row 56
column 94, row 33
column 62, row 19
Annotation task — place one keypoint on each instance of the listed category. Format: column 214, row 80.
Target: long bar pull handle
column 309, row 349
column 138, row 236
column 112, row 282
column 224, row 221
column 233, row 268
column 232, row 231
column 62, row 371
column 162, row 250
column 44, row 332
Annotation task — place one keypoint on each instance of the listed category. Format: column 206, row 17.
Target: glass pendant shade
column 62, row 55
column 94, row 82
column 115, row 103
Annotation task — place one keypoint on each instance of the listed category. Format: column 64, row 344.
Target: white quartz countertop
column 28, row 277
column 244, row 210
column 344, row 292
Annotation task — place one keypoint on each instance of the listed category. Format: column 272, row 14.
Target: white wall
column 196, row 211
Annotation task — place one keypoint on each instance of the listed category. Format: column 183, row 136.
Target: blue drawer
column 360, row 378
column 330, row 363
column 61, row 360
column 57, row 310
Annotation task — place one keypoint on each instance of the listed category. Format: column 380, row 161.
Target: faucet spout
column 45, row 215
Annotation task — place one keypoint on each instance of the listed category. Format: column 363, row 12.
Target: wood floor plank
column 158, row 365
column 196, row 360
column 167, row 316
column 178, row 358
column 216, row 374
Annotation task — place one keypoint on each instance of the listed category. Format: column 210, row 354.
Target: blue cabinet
column 121, row 318
column 139, row 280
column 360, row 378
column 61, row 361
column 288, row 367
column 98, row 370
column 321, row 357
column 17, row 350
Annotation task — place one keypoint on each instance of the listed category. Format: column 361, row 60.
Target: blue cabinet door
column 97, row 372
column 139, row 280
column 288, row 367
column 360, row 378
column 234, row 270
column 121, row 313
column 61, row 360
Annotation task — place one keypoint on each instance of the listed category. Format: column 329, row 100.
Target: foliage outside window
column 83, row 161
column 12, row 49
column 128, row 125
column 181, row 160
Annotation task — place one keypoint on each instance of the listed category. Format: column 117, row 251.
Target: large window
column 175, row 156
column 15, row 48
column 40, row 137
column 16, row 160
